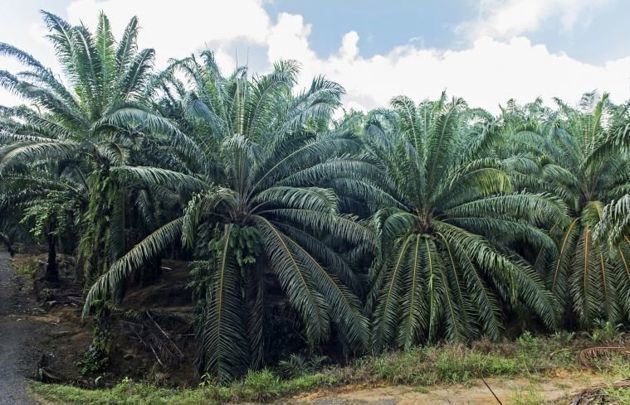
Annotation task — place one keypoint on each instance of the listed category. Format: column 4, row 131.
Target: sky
column 486, row 51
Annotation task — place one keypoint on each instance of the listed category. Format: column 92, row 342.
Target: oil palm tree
column 259, row 218
column 96, row 117
column 443, row 265
column 583, row 157
column 49, row 199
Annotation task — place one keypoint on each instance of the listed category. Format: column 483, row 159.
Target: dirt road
column 18, row 357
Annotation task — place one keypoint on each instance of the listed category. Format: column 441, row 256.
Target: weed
column 606, row 331
column 529, row 343
column 564, row 337
column 530, row 396
column 617, row 395
column 26, row 267
column 297, row 365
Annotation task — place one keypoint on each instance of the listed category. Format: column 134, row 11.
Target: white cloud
column 176, row 29
column 290, row 37
column 489, row 72
column 349, row 46
column 504, row 19
column 492, row 69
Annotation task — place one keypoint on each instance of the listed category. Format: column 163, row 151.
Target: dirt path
column 18, row 356
column 509, row 391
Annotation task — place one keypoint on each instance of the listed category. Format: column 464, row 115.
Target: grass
column 25, row 265
column 530, row 356
column 256, row 386
column 617, row 395
column 446, row 364
column 529, row 396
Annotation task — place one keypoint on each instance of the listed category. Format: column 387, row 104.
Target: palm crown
column 444, row 265
column 259, row 211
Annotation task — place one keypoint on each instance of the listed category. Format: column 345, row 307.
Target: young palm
column 583, row 158
column 444, row 267
column 258, row 219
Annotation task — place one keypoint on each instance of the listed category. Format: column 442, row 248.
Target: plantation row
column 393, row 228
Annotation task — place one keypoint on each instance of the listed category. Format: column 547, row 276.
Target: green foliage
column 46, row 203
column 95, row 249
column 54, row 206
column 259, row 216
column 442, row 268
column 583, row 158
column 416, row 224
column 297, row 365
column 615, row 395
column 564, row 336
column 97, row 356
column 256, row 386
column 27, row 268
column 75, row 130
column 606, row 331
column 528, row 396
column 94, row 360
column 448, row 365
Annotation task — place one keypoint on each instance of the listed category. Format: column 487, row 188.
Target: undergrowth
column 25, row 266
column 528, row 356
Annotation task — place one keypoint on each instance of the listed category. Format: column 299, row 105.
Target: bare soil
column 552, row 389
column 150, row 329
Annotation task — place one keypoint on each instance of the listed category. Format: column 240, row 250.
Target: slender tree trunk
column 52, row 271
column 7, row 242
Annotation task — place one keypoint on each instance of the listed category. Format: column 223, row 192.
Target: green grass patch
column 428, row 366
column 619, row 395
column 256, row 386
column 527, row 396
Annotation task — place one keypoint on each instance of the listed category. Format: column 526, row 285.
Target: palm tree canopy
column 444, row 266
column 97, row 117
column 259, row 208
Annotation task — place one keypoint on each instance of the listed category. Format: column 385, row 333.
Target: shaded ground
column 18, row 355
column 514, row 390
column 152, row 344
column 43, row 335
column 39, row 339
column 150, row 330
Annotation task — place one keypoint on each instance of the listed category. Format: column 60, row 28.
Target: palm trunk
column 52, row 270
column 256, row 318
column 7, row 242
